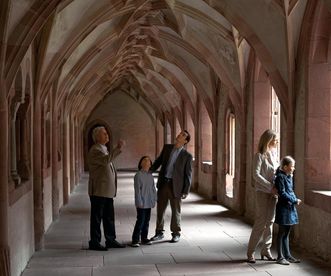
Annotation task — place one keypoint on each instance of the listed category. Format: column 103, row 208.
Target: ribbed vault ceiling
column 160, row 52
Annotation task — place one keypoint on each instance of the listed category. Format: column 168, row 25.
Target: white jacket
column 265, row 166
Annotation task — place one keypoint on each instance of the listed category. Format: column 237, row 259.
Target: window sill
column 16, row 193
column 319, row 199
column 207, row 167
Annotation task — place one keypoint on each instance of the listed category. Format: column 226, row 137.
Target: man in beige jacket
column 102, row 189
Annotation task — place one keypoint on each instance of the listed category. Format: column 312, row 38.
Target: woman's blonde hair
column 266, row 137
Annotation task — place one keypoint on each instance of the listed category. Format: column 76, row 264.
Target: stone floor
column 213, row 242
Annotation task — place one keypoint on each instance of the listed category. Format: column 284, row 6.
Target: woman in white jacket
column 265, row 165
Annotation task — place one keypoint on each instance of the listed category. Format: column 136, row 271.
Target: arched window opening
column 46, row 134
column 22, row 140
column 191, row 129
column 160, row 136
column 230, row 152
column 275, row 111
column 206, row 136
column 178, row 128
column 275, row 115
column 17, row 116
column 168, row 133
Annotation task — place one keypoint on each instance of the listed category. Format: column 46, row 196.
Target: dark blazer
column 182, row 174
column 286, row 213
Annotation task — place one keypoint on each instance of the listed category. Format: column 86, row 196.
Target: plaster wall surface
column 21, row 234
column 313, row 231
column 60, row 186
column 205, row 184
column 47, row 202
column 130, row 122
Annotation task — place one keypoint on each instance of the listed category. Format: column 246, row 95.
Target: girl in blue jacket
column 286, row 213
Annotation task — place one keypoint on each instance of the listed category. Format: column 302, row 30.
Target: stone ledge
column 319, row 199
column 207, row 167
column 17, row 193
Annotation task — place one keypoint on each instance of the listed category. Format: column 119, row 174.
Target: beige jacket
column 103, row 177
column 263, row 172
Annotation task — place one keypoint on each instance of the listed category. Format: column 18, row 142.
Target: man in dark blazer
column 102, row 189
column 173, row 184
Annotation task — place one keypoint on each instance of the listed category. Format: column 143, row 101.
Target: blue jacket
column 286, row 213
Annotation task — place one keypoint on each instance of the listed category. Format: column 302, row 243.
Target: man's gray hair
column 96, row 132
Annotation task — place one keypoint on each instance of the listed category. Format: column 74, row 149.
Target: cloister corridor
column 214, row 243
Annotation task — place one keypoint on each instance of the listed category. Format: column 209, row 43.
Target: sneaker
column 135, row 244
column 293, row 260
column 146, row 242
column 157, row 237
column 282, row 262
column 175, row 238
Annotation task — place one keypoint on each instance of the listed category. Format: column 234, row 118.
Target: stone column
column 4, row 244
column 214, row 151
column 72, row 152
column 165, row 129
column 184, row 115
column 4, row 177
column 54, row 162
column 81, row 151
column 76, row 143
column 39, row 219
column 197, row 146
column 173, row 126
column 65, row 162
column 157, row 146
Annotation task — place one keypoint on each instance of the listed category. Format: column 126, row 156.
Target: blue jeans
column 283, row 246
column 142, row 225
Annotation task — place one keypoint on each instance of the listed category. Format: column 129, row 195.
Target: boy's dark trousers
column 142, row 225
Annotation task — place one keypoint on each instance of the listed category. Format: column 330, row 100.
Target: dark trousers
column 164, row 195
column 283, row 246
column 142, row 224
column 102, row 209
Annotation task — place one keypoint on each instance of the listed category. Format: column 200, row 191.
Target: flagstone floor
column 213, row 242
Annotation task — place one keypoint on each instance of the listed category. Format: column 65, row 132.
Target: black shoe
column 175, row 238
column 114, row 244
column 157, row 237
column 146, row 242
column 97, row 247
